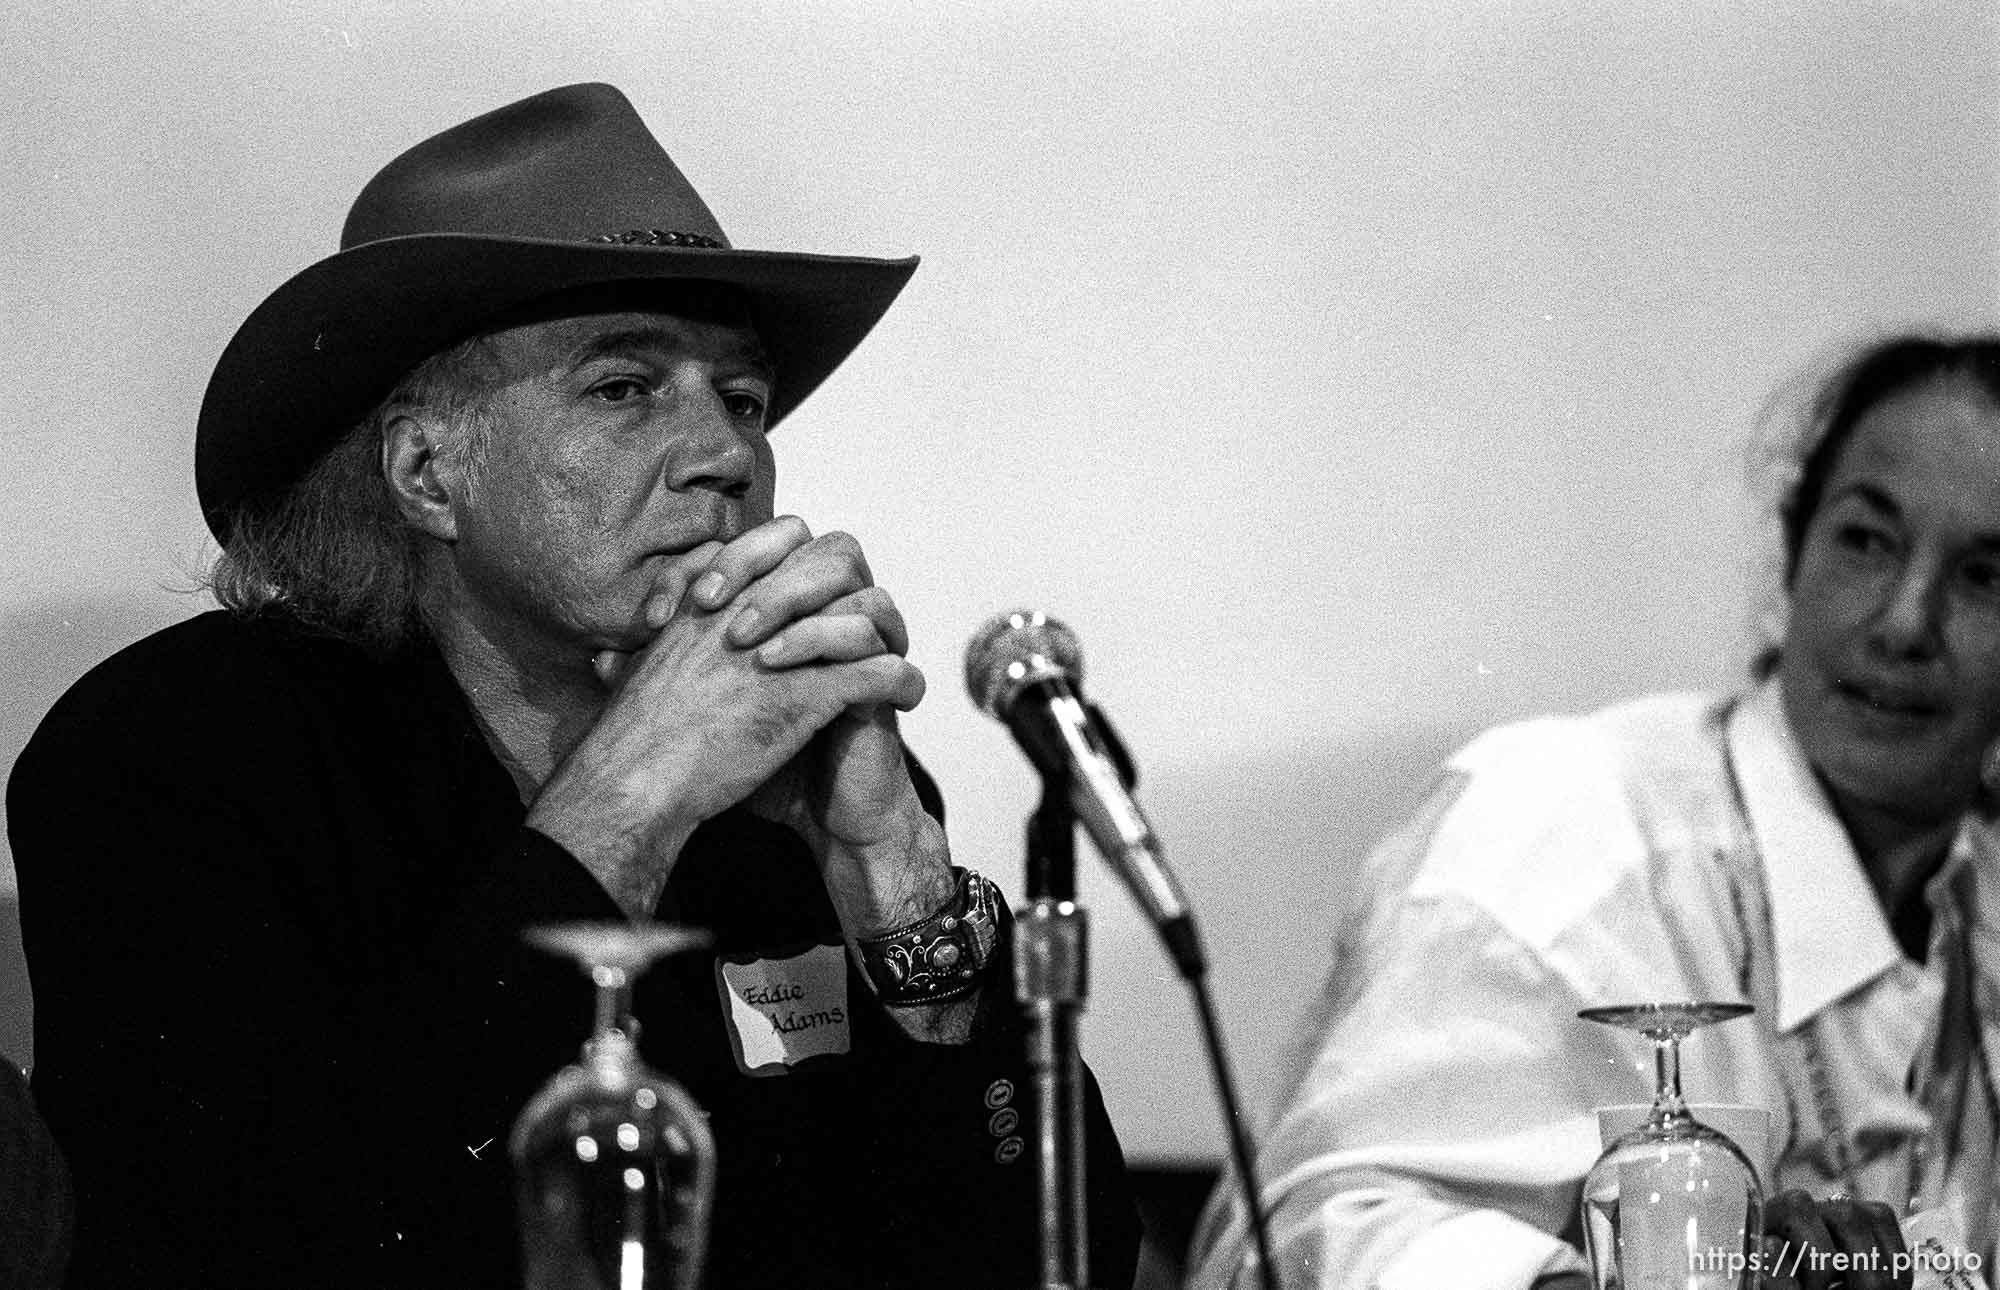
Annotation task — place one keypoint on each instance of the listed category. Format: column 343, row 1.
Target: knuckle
column 846, row 548
column 771, row 727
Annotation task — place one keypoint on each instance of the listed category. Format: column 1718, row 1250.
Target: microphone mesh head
column 1011, row 651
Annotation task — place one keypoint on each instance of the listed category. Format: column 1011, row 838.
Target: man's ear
column 424, row 487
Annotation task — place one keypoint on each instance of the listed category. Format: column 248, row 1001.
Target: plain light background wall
column 1349, row 375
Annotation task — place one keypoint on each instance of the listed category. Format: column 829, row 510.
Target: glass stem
column 614, row 996
column 1667, row 1074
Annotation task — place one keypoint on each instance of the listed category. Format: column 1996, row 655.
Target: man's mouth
column 722, row 532
column 724, row 525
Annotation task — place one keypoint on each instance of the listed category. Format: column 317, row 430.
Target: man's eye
column 743, row 404
column 618, row 389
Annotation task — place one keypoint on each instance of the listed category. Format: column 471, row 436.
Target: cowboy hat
column 556, row 193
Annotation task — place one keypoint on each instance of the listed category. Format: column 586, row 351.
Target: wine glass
column 614, row 1166
column 1673, row 1204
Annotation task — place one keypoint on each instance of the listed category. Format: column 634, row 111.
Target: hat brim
column 331, row 343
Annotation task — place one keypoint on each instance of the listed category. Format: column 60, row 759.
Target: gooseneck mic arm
column 1025, row 669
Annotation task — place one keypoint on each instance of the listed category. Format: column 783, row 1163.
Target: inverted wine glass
column 613, row 1163
column 1674, row 1204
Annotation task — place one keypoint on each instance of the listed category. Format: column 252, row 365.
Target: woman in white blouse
column 1816, row 845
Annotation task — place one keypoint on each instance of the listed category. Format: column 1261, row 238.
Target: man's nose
column 712, row 451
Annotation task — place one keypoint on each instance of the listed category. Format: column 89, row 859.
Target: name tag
column 783, row 1012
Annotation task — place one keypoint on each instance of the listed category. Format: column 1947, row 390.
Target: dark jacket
column 272, row 892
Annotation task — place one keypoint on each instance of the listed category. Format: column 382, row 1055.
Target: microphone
column 1025, row 670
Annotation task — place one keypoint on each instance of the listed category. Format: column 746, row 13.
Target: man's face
column 1891, row 664
column 619, row 446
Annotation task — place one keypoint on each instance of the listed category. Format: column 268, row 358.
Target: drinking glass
column 614, row 1167
column 1674, row 1204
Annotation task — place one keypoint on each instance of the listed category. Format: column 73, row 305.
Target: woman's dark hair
column 1872, row 376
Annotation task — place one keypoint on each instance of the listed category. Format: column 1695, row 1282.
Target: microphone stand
column 1012, row 654
column 1050, row 982
column 1184, row 949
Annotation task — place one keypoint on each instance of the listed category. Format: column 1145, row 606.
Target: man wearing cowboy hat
column 515, row 639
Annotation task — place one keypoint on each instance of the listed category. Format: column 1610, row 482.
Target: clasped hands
column 772, row 676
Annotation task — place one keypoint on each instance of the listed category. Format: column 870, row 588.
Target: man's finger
column 884, row 678
column 823, row 638
column 811, row 578
column 747, row 558
column 610, row 665
column 881, row 609
column 813, row 695
column 874, row 604
column 671, row 590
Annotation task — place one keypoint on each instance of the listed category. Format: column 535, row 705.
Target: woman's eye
column 1862, row 538
column 1981, row 574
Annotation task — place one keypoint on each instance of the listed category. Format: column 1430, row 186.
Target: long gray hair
column 332, row 552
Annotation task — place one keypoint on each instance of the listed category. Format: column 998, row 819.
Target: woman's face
column 1891, row 664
